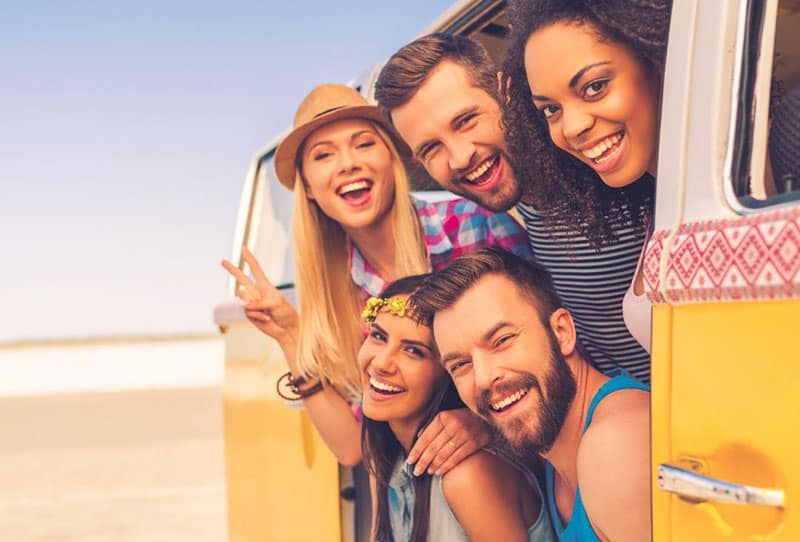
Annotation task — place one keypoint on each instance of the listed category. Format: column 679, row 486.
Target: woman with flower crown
column 355, row 228
column 484, row 497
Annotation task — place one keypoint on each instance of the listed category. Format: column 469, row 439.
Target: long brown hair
column 381, row 450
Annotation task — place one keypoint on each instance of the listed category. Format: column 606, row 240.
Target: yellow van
column 722, row 269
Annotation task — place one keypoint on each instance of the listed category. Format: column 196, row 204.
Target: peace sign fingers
column 263, row 284
column 265, row 306
column 244, row 281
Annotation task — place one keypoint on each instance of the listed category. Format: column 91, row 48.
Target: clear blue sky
column 126, row 129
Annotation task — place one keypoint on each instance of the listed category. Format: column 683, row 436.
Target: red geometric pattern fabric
column 744, row 258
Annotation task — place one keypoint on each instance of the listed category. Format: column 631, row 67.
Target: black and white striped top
column 592, row 284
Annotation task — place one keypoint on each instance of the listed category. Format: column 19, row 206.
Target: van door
column 723, row 271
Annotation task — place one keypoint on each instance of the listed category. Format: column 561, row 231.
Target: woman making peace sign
column 355, row 228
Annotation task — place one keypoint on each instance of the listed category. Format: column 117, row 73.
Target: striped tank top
column 592, row 284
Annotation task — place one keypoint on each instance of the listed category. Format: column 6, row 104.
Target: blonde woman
column 356, row 228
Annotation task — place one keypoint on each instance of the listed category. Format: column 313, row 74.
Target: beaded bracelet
column 294, row 383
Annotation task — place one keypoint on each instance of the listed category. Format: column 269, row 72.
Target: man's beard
column 529, row 433
column 504, row 197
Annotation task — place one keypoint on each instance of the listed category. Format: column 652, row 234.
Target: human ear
column 563, row 327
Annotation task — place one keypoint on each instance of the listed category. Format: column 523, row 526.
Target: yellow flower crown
column 396, row 305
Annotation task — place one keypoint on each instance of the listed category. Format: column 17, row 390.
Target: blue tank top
column 579, row 529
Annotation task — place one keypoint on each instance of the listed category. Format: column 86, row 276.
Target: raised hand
column 265, row 306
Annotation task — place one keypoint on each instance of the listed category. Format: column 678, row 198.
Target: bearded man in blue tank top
column 517, row 366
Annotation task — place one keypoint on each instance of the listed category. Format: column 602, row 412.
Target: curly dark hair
column 556, row 183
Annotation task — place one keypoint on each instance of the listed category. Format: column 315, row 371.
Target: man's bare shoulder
column 621, row 421
column 614, row 465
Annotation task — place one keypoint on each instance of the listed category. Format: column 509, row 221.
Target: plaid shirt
column 451, row 228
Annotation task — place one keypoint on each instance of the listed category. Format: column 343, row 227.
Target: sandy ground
column 143, row 466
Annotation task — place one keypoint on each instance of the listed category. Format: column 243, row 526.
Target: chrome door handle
column 699, row 488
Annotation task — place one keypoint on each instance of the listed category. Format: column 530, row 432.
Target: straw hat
column 324, row 104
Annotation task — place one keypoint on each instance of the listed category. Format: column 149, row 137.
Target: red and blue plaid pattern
column 451, row 228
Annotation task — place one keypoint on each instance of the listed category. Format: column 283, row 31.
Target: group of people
column 492, row 378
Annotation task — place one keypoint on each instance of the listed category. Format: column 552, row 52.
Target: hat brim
column 286, row 153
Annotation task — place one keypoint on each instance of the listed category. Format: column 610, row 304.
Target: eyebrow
column 575, row 78
column 352, row 137
column 464, row 112
column 458, row 116
column 450, row 356
column 494, row 329
column 404, row 341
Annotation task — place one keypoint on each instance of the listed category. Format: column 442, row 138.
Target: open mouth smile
column 605, row 154
column 509, row 400
column 355, row 192
column 383, row 388
column 485, row 173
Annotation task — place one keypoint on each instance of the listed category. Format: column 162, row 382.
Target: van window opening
column 775, row 142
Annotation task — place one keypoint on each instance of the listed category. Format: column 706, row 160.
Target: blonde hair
column 330, row 329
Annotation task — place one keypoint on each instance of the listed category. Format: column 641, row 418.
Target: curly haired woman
column 583, row 82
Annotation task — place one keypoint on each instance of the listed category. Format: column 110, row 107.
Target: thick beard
column 527, row 435
column 510, row 195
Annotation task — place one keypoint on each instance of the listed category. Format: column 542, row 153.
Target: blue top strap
column 620, row 380
column 579, row 528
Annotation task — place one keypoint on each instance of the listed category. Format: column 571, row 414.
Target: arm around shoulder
column 614, row 471
column 479, row 492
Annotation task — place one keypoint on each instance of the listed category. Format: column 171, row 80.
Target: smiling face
column 600, row 101
column 349, row 172
column 400, row 369
column 453, row 128
column 507, row 366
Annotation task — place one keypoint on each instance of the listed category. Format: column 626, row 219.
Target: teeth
column 475, row 174
column 352, row 187
column 602, row 147
column 511, row 399
column 383, row 387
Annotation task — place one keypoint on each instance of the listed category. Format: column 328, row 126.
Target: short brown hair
column 410, row 67
column 443, row 289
